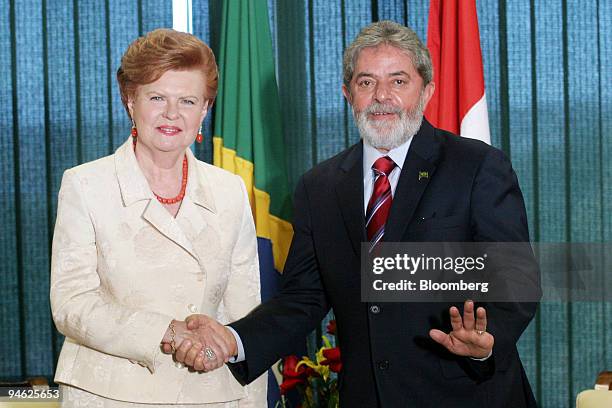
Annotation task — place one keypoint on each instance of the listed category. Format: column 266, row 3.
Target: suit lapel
column 134, row 188
column 198, row 199
column 349, row 189
column 132, row 183
column 418, row 170
column 161, row 219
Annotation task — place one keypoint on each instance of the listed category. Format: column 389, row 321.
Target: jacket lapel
column 134, row 187
column 349, row 189
column 198, row 197
column 161, row 219
column 132, row 182
column 418, row 170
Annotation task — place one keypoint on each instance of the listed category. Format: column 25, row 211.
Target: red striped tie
column 380, row 202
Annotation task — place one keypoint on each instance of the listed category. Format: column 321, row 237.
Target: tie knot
column 384, row 165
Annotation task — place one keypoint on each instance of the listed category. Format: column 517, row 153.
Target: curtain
column 550, row 110
column 60, row 107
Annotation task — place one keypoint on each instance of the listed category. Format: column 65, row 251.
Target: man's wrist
column 232, row 342
column 483, row 358
column 240, row 355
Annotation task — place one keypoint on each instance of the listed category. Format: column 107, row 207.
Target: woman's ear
column 204, row 110
column 130, row 106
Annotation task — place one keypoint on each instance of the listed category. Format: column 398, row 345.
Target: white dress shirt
column 370, row 155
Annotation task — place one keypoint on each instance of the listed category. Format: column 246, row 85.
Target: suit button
column 192, row 308
column 383, row 365
column 375, row 309
column 200, row 277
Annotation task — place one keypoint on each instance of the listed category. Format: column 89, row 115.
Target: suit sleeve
column 498, row 215
column 82, row 309
column 273, row 328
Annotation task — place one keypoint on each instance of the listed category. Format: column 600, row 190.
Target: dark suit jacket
column 472, row 194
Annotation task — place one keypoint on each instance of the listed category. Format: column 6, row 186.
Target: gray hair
column 391, row 33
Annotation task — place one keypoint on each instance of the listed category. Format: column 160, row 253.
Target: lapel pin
column 423, row 175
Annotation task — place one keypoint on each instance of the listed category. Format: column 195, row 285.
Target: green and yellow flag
column 248, row 137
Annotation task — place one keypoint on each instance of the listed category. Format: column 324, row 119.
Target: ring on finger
column 480, row 332
column 209, row 353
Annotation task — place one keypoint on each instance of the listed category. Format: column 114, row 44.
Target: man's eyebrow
column 368, row 74
column 363, row 74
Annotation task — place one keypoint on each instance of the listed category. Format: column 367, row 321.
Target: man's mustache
column 381, row 108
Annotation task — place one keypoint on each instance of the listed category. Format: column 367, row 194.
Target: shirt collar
column 134, row 186
column 370, row 155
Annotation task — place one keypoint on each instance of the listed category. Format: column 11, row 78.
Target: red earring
column 134, row 130
column 199, row 136
column 134, row 133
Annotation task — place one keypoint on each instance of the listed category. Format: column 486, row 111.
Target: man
column 394, row 354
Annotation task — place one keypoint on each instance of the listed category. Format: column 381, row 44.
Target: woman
column 148, row 236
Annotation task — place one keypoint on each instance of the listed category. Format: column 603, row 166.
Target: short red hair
column 162, row 50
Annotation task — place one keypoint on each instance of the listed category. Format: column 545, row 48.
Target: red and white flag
column 459, row 104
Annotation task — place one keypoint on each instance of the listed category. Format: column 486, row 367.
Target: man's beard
column 389, row 136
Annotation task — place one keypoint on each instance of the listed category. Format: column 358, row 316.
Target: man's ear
column 347, row 94
column 428, row 93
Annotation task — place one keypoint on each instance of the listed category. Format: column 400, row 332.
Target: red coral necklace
column 181, row 193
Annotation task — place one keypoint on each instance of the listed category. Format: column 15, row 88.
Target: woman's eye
column 156, row 98
column 188, row 102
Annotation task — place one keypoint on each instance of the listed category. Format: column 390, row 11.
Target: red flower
column 331, row 327
column 332, row 359
column 291, row 376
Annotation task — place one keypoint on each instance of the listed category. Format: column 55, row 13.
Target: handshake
column 199, row 342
